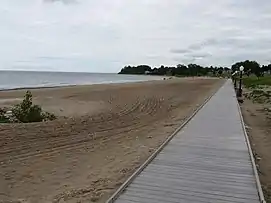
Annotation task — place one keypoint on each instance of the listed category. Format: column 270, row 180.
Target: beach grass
column 254, row 81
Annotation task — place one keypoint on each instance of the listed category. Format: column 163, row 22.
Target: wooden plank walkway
column 207, row 161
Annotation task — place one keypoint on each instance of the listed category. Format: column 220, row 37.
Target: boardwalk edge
column 258, row 183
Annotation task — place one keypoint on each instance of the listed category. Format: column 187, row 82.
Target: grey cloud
column 195, row 57
column 196, row 46
column 179, row 51
column 94, row 35
column 242, row 48
column 62, row 1
column 200, row 55
column 184, row 60
column 52, row 58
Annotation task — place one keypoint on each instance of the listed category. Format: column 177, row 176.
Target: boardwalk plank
column 177, row 194
column 187, row 190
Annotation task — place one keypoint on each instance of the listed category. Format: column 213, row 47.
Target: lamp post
column 234, row 80
column 240, row 82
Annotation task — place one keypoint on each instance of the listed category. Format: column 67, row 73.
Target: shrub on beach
column 259, row 96
column 48, row 116
column 25, row 112
column 258, row 89
column 3, row 117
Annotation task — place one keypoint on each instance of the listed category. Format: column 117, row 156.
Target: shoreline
column 12, row 80
column 35, row 88
column 75, row 85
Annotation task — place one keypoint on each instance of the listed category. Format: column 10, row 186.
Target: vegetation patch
column 258, row 89
column 25, row 112
column 3, row 116
column 259, row 96
column 180, row 70
column 255, row 82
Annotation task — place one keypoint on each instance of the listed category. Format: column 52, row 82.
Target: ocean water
column 27, row 79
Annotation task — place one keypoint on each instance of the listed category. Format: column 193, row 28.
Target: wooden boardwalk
column 207, row 161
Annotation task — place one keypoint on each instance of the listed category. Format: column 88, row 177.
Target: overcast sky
column 105, row 35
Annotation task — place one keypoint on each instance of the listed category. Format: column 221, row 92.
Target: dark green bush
column 3, row 118
column 26, row 112
column 48, row 116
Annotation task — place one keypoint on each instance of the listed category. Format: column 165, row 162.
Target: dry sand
column 102, row 134
column 258, row 122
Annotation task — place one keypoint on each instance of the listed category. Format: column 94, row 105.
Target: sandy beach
column 103, row 133
column 257, row 119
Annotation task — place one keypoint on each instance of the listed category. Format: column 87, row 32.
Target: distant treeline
column 250, row 67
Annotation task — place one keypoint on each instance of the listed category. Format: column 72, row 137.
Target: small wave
column 17, row 80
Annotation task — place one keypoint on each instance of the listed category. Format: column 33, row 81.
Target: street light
column 240, row 82
column 235, row 79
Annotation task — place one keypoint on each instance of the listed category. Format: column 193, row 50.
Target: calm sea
column 25, row 79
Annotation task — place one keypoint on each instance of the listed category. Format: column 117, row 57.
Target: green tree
column 250, row 67
column 220, row 71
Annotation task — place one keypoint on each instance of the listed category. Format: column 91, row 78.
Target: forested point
column 250, row 67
